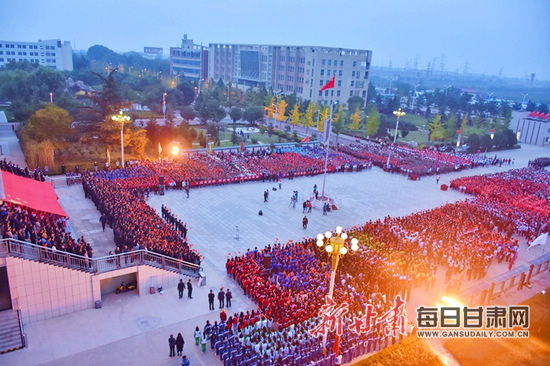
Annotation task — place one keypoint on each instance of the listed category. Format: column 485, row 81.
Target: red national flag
column 329, row 85
column 306, row 139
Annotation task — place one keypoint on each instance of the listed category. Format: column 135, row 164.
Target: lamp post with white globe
column 122, row 118
column 335, row 246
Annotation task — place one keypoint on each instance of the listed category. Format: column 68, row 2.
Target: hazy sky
column 508, row 36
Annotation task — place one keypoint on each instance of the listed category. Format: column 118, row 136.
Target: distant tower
column 466, row 67
column 532, row 78
column 390, row 65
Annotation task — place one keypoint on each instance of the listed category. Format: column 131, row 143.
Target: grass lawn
column 418, row 121
column 419, row 136
column 410, row 352
column 534, row 350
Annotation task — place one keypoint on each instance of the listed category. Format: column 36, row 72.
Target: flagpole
column 328, row 148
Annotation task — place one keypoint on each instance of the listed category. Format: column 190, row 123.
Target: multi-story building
column 293, row 69
column 50, row 53
column 189, row 60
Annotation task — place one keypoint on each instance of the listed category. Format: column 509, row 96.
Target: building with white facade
column 293, row 69
column 189, row 61
column 50, row 53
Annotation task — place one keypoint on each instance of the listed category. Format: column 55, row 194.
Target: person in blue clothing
column 185, row 361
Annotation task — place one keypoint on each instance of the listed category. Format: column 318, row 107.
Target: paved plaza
column 133, row 330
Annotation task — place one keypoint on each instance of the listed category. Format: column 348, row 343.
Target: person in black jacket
column 221, row 298
column 172, row 344
column 189, row 289
column 181, row 287
column 228, row 297
column 211, row 297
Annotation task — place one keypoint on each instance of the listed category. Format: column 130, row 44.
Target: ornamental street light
column 399, row 114
column 51, row 98
column 164, row 105
column 335, row 246
column 120, row 117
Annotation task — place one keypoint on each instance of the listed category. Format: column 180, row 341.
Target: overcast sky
column 492, row 36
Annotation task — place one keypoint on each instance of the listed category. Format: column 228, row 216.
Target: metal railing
column 26, row 250
column 486, row 291
column 21, row 331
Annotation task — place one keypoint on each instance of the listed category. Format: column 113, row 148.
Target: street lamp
column 164, row 105
column 51, row 98
column 399, row 114
column 120, row 117
column 335, row 246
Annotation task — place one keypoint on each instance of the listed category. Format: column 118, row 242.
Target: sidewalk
column 11, row 150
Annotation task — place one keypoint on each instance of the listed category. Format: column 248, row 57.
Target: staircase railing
column 21, row 331
column 26, row 250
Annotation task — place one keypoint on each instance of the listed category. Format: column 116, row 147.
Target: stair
column 10, row 333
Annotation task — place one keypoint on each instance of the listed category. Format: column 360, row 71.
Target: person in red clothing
column 223, row 315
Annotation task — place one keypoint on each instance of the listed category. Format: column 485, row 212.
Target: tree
column 323, row 116
column 270, row 109
column 451, row 126
column 307, row 118
column 473, row 142
column 48, row 123
column 138, row 141
column 355, row 102
column 235, row 114
column 281, row 109
column 406, row 127
column 356, row 120
column 109, row 100
column 531, row 106
column 187, row 113
column 464, row 124
column 295, row 115
column 291, row 100
column 208, row 107
column 373, row 122
column 253, row 113
column 338, row 122
column 437, row 132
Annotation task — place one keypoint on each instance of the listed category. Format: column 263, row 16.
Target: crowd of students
column 407, row 160
column 519, row 195
column 40, row 228
column 11, row 167
column 135, row 224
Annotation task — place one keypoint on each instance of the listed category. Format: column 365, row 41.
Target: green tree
column 356, row 120
column 451, row 126
column 208, row 107
column 49, row 123
column 338, row 122
column 235, row 114
column 253, row 113
column 437, row 132
column 355, row 102
column 373, row 122
column 464, row 124
column 109, row 100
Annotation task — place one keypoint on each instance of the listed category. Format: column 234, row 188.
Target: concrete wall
column 44, row 291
